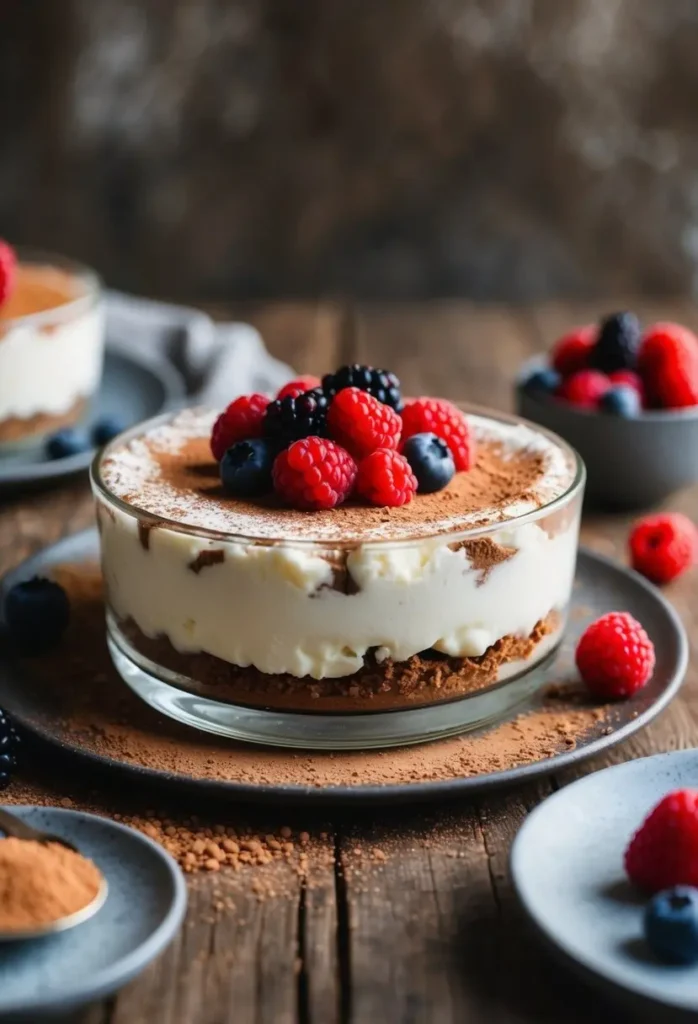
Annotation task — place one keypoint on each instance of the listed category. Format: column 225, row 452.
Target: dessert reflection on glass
column 458, row 581
column 51, row 344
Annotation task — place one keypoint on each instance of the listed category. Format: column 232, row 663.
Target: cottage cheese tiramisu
column 419, row 571
column 51, row 340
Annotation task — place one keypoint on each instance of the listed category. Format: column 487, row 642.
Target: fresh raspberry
column 663, row 546
column 668, row 364
column 8, row 267
column 571, row 352
column 299, row 385
column 615, row 657
column 314, row 473
column 631, row 380
column 584, row 388
column 241, row 421
column 385, row 478
column 360, row 423
column 664, row 850
column 437, row 416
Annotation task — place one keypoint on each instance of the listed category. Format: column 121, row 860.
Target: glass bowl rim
column 458, row 534
column 89, row 278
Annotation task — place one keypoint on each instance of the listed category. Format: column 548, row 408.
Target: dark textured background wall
column 489, row 148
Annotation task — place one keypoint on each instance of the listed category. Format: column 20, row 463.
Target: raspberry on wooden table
column 615, row 657
column 663, row 546
column 386, row 478
column 298, row 386
column 668, row 364
column 437, row 416
column 584, row 388
column 571, row 352
column 664, row 850
column 241, row 421
column 360, row 423
column 8, row 268
column 314, row 473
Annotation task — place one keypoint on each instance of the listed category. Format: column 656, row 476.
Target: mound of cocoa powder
column 42, row 882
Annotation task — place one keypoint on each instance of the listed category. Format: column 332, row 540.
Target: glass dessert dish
column 51, row 347
column 350, row 628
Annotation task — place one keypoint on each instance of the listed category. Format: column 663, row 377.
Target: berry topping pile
column 8, row 269
column 619, row 369
column 319, row 443
column 615, row 657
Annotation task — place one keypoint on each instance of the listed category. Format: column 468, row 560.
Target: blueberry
column 621, row 400
column 37, row 613
column 671, row 925
column 431, row 461
column 246, row 468
column 69, row 441
column 106, row 429
column 618, row 343
column 544, row 381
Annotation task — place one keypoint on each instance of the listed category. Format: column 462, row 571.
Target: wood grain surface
column 433, row 933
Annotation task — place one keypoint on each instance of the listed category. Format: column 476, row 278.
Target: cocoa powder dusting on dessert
column 42, row 882
column 483, row 555
column 171, row 473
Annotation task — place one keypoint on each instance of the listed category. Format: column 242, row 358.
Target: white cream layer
column 46, row 371
column 273, row 607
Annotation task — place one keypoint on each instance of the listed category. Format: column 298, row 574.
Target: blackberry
column 382, row 384
column 9, row 744
column 290, row 419
column 618, row 343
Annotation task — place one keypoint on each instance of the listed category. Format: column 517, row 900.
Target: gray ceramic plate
column 601, row 586
column 132, row 390
column 567, row 867
column 143, row 911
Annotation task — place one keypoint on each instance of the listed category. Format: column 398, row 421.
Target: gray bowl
column 631, row 463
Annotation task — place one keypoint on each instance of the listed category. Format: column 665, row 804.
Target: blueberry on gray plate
column 544, row 381
column 69, row 441
column 37, row 613
column 105, row 429
column 671, row 925
column 621, row 400
column 246, row 468
column 431, row 461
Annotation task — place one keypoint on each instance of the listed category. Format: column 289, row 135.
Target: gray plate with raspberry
column 141, row 915
column 567, row 868
column 132, row 389
column 600, row 586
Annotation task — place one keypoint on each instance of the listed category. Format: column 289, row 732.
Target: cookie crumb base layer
column 425, row 679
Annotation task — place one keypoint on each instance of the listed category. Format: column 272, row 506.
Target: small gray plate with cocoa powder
column 207, row 765
column 142, row 913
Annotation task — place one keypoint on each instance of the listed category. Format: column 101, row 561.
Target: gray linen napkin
column 218, row 361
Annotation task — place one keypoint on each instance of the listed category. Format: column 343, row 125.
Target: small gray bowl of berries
column 626, row 397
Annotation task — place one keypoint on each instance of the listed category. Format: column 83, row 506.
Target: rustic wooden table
column 433, row 934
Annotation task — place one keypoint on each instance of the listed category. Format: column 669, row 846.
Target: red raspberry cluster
column 318, row 443
column 8, row 268
column 617, row 367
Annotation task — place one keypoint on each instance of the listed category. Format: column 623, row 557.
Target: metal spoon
column 16, row 828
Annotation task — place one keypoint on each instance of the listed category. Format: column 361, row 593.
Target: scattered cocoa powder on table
column 42, row 882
